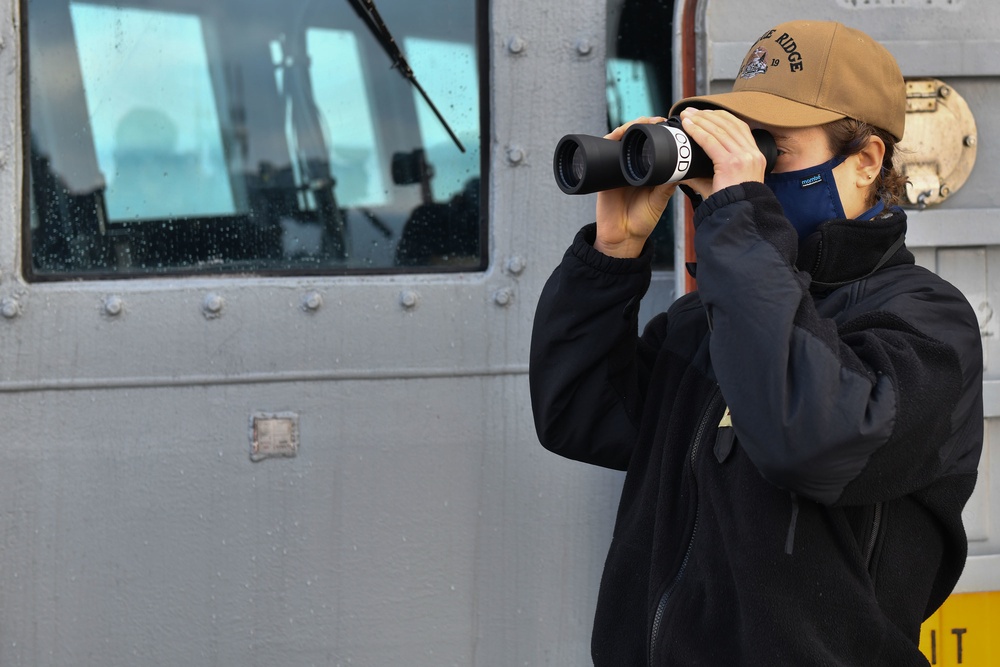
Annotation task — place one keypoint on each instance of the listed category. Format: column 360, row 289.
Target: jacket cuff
column 768, row 218
column 584, row 250
column 745, row 191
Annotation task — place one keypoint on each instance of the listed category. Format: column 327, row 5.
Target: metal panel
column 418, row 523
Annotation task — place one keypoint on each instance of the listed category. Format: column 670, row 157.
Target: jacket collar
column 843, row 251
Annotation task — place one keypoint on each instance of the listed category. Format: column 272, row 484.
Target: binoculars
column 648, row 154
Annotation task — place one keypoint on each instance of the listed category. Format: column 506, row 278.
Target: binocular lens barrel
column 585, row 164
column 648, row 154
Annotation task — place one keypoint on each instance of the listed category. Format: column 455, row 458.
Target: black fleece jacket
column 800, row 436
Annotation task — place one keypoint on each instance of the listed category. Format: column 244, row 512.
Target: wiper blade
column 369, row 14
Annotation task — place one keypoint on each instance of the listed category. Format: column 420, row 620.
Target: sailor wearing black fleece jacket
column 800, row 435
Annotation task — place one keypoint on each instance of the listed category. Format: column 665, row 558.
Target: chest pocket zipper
column 725, row 439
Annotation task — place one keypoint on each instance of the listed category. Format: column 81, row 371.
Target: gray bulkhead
column 419, row 523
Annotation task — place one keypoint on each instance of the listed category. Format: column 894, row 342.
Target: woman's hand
column 627, row 216
column 729, row 144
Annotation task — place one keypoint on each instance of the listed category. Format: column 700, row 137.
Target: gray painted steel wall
column 420, row 523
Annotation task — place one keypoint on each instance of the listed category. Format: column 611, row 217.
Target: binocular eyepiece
column 648, row 154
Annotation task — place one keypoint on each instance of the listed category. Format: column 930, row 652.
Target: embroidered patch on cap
column 756, row 65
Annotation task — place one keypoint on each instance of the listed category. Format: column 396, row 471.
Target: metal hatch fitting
column 938, row 149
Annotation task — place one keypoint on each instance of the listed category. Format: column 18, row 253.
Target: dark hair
column 848, row 137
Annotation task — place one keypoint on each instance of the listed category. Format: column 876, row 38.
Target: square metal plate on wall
column 273, row 435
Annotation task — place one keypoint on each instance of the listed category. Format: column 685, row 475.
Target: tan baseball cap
column 806, row 73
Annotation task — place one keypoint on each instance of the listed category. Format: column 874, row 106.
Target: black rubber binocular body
column 648, row 154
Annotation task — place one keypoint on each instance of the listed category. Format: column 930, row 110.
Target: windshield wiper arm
column 369, row 14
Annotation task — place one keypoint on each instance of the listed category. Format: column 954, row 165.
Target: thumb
column 659, row 197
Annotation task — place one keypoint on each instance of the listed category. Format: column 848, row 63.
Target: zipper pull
column 725, row 437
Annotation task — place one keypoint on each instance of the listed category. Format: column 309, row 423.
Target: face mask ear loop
column 896, row 245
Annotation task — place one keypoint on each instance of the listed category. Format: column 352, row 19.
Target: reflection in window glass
column 339, row 87
column 248, row 136
column 447, row 70
column 638, row 83
column 156, row 138
column 628, row 91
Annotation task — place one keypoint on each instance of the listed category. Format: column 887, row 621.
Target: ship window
column 247, row 136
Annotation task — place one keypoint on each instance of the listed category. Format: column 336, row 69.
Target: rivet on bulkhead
column 10, row 307
column 212, row 305
column 584, row 47
column 515, row 155
column 503, row 296
column 113, row 305
column 516, row 265
column 312, row 301
column 408, row 299
column 516, row 44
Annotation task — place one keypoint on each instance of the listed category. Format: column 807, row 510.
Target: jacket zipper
column 870, row 548
column 699, row 435
column 662, row 605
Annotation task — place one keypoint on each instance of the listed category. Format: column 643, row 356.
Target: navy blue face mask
column 808, row 196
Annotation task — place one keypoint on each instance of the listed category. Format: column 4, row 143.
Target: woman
column 800, row 434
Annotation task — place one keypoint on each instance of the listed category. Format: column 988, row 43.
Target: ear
column 869, row 161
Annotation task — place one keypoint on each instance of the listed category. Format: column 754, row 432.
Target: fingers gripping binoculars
column 648, row 154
